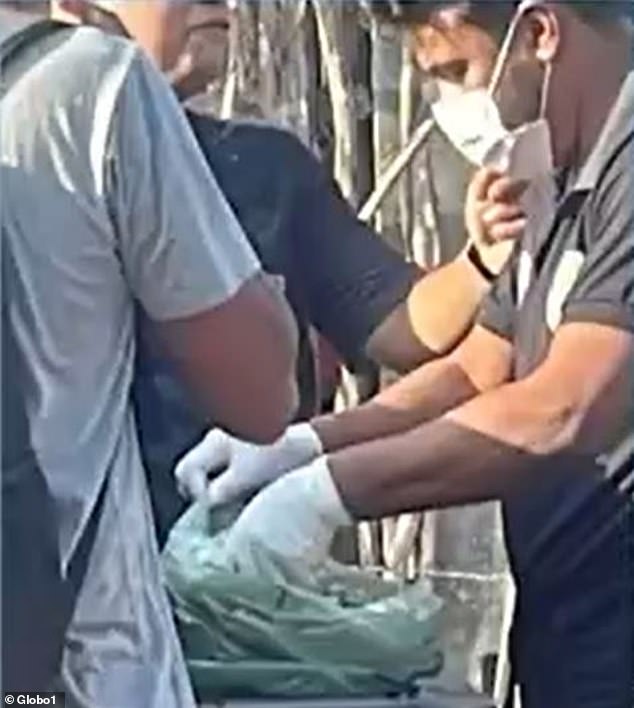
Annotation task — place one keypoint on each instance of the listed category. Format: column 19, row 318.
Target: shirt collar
column 619, row 124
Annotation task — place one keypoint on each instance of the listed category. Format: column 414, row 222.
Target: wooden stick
column 394, row 171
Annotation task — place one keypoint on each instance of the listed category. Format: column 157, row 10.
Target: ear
column 544, row 27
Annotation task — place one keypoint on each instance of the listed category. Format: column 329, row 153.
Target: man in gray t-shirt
column 106, row 200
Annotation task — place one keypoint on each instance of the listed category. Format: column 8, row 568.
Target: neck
column 606, row 56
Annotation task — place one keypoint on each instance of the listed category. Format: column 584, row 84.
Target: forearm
column 480, row 451
column 421, row 396
column 442, row 305
column 254, row 402
column 395, row 345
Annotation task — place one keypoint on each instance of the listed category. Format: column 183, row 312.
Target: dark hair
column 491, row 14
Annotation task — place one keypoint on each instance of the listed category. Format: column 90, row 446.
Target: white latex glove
column 295, row 518
column 248, row 466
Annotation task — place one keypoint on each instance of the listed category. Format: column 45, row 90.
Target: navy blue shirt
column 570, row 535
column 340, row 277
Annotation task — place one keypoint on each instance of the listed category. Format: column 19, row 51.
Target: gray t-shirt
column 106, row 199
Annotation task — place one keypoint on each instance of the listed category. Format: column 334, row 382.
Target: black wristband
column 473, row 254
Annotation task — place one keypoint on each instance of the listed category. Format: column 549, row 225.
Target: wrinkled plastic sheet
column 334, row 631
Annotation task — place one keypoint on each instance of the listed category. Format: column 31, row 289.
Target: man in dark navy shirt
column 340, row 277
column 535, row 406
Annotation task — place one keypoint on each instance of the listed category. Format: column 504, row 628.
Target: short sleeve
column 604, row 290
column 353, row 280
column 181, row 248
column 497, row 312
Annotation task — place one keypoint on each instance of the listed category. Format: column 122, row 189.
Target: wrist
column 478, row 263
column 303, row 443
column 324, row 493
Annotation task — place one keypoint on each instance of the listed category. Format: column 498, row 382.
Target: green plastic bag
column 337, row 631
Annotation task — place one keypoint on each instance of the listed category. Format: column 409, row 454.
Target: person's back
column 74, row 315
column 94, row 218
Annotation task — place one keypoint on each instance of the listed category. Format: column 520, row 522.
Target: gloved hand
column 294, row 518
column 248, row 466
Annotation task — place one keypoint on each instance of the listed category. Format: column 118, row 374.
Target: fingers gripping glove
column 247, row 467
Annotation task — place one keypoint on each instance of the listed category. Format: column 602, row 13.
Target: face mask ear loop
column 548, row 71
column 503, row 54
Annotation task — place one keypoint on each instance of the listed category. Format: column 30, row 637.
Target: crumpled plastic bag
column 334, row 631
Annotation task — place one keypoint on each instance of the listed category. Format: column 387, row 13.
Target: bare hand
column 493, row 215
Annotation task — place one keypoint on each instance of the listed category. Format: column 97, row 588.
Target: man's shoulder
column 71, row 82
column 260, row 139
column 78, row 61
column 88, row 52
column 610, row 157
column 255, row 128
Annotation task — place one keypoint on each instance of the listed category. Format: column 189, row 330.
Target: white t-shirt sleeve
column 181, row 247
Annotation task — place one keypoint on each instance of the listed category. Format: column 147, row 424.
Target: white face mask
column 472, row 122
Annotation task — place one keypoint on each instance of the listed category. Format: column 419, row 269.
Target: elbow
column 403, row 358
column 557, row 426
column 273, row 417
column 395, row 344
column 561, row 431
column 262, row 416
column 575, row 431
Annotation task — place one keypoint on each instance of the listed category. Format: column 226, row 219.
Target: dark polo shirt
column 570, row 537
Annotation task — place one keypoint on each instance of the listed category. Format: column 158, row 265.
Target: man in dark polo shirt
column 535, row 406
